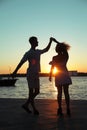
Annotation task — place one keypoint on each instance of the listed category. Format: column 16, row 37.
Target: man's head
column 33, row 41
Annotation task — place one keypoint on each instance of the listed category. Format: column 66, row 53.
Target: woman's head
column 62, row 47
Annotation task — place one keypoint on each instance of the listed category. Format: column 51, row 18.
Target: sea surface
column 78, row 89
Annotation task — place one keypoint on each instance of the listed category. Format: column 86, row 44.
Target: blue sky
column 66, row 20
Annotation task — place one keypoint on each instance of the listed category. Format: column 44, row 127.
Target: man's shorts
column 33, row 80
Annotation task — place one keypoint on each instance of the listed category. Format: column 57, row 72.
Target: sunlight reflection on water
column 78, row 89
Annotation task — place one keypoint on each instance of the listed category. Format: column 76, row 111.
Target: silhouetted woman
column 62, row 78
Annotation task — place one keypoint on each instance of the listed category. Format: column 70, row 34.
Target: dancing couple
column 62, row 79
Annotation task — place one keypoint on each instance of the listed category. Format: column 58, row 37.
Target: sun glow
column 55, row 71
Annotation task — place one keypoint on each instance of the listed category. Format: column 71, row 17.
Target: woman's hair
column 62, row 47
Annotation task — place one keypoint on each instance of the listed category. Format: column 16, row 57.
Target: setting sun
column 55, row 70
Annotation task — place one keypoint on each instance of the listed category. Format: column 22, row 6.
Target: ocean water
column 78, row 89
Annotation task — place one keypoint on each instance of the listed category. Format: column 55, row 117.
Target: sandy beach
column 13, row 117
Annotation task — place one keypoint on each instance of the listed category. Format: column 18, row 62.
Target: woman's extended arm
column 53, row 39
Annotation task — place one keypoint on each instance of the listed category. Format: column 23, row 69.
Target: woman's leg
column 59, row 96
column 59, row 99
column 67, row 98
column 66, row 93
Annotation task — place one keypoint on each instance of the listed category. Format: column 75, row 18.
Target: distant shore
column 42, row 74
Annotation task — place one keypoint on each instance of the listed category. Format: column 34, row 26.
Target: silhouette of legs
column 59, row 99
column 33, row 92
column 32, row 95
column 67, row 98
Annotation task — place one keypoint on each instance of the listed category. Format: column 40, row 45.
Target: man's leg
column 26, row 105
column 35, row 93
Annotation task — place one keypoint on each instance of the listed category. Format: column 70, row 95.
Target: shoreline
column 72, row 74
column 13, row 117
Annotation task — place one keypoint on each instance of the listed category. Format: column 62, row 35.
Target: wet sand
column 13, row 117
